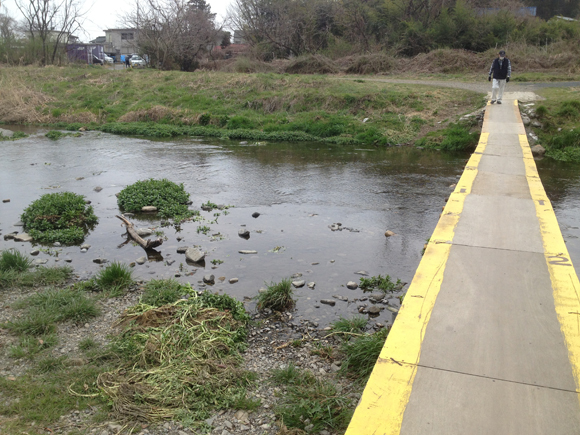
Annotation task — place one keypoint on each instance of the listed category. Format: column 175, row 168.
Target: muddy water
column 298, row 189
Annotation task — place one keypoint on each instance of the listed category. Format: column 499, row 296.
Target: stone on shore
column 194, row 255
column 148, row 208
column 538, row 150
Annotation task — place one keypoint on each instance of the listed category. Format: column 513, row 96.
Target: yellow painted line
column 388, row 389
column 565, row 284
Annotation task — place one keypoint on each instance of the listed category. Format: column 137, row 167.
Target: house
column 120, row 42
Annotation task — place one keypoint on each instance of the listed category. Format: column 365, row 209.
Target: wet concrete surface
column 298, row 189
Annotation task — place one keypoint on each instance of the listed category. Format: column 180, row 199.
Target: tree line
column 177, row 34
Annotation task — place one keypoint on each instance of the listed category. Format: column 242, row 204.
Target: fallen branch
column 145, row 244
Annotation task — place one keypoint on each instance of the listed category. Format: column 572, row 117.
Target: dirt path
column 520, row 91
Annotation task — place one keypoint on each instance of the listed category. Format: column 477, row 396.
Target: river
column 299, row 189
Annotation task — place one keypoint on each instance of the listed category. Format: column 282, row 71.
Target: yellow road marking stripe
column 565, row 284
column 387, row 392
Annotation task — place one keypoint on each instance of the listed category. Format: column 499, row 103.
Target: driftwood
column 145, row 244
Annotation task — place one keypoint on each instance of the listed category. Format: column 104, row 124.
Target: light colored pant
column 497, row 88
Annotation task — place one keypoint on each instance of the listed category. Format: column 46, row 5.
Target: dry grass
column 312, row 64
column 19, row 101
column 154, row 114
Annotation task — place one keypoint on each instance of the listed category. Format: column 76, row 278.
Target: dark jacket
column 501, row 69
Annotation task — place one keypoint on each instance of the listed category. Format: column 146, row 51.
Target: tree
column 50, row 23
column 175, row 31
column 7, row 37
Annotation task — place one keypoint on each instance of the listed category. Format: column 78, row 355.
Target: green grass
column 353, row 325
column 160, row 292
column 88, row 344
column 361, row 354
column 43, row 397
column 13, row 260
column 310, row 401
column 59, row 217
column 169, row 198
column 115, row 276
column 29, row 346
column 559, row 114
column 453, row 138
column 277, row 297
column 41, row 276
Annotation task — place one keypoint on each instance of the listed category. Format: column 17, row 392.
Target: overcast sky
column 107, row 14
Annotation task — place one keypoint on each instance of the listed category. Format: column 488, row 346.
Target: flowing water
column 298, row 189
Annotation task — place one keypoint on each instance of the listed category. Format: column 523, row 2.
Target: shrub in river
column 278, row 296
column 115, row 276
column 310, row 401
column 384, row 284
column 361, row 354
column 169, row 198
column 15, row 136
column 59, row 217
column 13, row 260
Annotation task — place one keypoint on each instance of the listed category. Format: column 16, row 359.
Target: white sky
column 107, row 14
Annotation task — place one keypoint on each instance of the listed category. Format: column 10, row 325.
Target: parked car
column 137, row 61
column 97, row 61
column 108, row 59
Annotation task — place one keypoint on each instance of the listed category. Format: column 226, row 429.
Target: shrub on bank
column 170, row 198
column 454, row 138
column 59, row 217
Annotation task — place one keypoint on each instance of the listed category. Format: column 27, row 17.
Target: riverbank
column 240, row 106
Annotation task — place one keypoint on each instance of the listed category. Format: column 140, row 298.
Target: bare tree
column 175, row 31
column 50, row 23
column 7, row 37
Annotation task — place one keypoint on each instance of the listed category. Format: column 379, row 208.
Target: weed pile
column 371, row 64
column 178, row 360
column 311, row 64
column 169, row 198
column 59, row 217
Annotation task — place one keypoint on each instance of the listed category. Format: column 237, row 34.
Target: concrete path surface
column 488, row 338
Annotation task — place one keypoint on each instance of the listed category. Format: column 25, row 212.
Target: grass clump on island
column 17, row 135
column 180, row 360
column 276, row 297
column 170, row 198
column 59, row 217
column 16, row 271
column 309, row 403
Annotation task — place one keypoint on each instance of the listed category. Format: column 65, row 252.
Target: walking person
column 127, row 62
column 501, row 70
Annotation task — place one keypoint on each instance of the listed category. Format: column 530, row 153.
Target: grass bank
column 558, row 115
column 253, row 107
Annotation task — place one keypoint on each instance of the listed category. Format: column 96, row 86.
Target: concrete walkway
column 488, row 337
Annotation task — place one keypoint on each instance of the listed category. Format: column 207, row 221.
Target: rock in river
column 255, row 214
column 182, row 249
column 246, row 251
column 195, row 255
column 389, row 233
column 148, row 208
column 209, row 279
column 100, row 260
column 328, row 302
column 141, row 260
column 298, row 284
column 374, row 310
column 351, row 285
column 22, row 237
column 242, row 232
column 311, row 285
column 144, row 232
